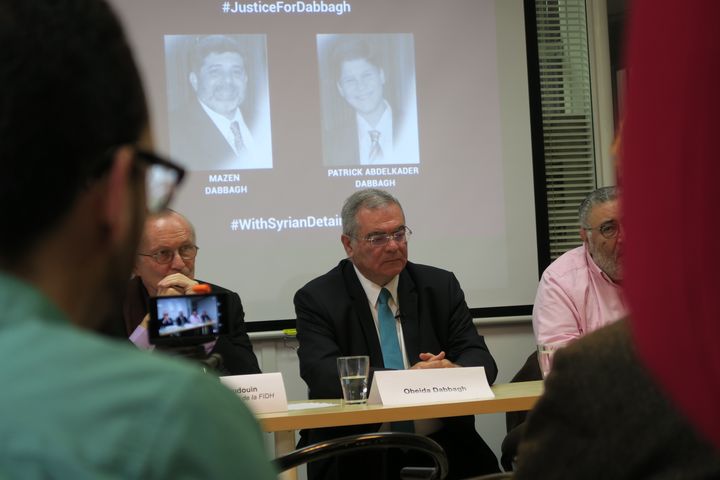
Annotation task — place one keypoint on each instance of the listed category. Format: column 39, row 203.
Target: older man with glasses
column 165, row 265
column 580, row 291
column 402, row 315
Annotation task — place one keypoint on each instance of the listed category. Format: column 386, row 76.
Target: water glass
column 353, row 373
column 546, row 352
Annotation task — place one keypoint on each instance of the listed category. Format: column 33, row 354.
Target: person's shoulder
column 142, row 398
column 571, row 262
column 181, row 118
column 177, row 404
column 190, row 108
column 330, row 279
column 607, row 346
column 427, row 272
column 427, row 278
column 156, row 369
column 155, row 386
column 341, row 147
column 615, row 335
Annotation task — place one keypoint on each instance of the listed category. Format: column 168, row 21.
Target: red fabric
column 671, row 200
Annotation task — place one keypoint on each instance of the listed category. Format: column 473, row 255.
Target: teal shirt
column 75, row 405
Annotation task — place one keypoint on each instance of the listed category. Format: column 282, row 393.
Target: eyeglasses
column 162, row 178
column 382, row 239
column 166, row 255
column 607, row 229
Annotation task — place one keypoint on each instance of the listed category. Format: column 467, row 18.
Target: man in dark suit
column 603, row 416
column 181, row 319
column 338, row 315
column 210, row 133
column 166, row 266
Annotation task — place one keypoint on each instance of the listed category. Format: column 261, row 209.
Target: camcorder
column 188, row 320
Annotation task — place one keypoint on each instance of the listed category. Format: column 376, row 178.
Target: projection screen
column 312, row 100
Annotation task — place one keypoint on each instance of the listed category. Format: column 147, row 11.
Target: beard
column 609, row 264
column 108, row 304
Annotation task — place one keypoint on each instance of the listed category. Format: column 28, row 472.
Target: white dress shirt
column 385, row 127
column 223, row 125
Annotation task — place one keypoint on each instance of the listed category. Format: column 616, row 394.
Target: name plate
column 262, row 392
column 410, row 387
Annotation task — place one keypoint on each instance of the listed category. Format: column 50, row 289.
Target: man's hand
column 175, row 284
column 430, row 360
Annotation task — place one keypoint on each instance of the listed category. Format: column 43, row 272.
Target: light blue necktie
column 392, row 355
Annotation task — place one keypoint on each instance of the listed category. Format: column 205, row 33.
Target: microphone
column 214, row 362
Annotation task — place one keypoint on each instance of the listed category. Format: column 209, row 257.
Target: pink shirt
column 574, row 298
column 141, row 338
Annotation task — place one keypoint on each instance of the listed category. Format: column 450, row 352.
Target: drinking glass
column 546, row 352
column 353, row 373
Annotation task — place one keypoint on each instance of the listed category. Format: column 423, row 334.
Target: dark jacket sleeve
column 318, row 349
column 236, row 349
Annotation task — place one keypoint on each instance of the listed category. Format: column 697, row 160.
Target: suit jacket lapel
column 362, row 309
column 408, row 301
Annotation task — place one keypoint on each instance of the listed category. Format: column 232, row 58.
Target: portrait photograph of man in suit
column 369, row 106
column 218, row 103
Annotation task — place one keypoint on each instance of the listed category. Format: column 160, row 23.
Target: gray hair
column 369, row 198
column 596, row 197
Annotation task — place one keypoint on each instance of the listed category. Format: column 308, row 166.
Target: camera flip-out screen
column 187, row 319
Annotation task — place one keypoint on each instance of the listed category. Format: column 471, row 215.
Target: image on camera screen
column 189, row 316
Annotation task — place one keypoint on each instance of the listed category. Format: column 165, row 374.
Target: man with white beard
column 580, row 291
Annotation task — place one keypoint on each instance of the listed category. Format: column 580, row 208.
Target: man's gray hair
column 596, row 197
column 369, row 198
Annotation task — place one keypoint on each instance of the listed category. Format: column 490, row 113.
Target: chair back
column 366, row 441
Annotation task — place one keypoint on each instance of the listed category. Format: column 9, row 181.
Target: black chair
column 493, row 476
column 515, row 421
column 366, row 441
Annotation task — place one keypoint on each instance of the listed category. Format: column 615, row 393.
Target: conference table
column 172, row 329
column 509, row 397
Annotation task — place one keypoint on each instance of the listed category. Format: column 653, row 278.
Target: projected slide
column 219, row 112
column 282, row 109
column 367, row 87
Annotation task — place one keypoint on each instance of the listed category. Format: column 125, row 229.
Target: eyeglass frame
column 386, row 237
column 155, row 255
column 152, row 159
column 602, row 228
column 98, row 168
